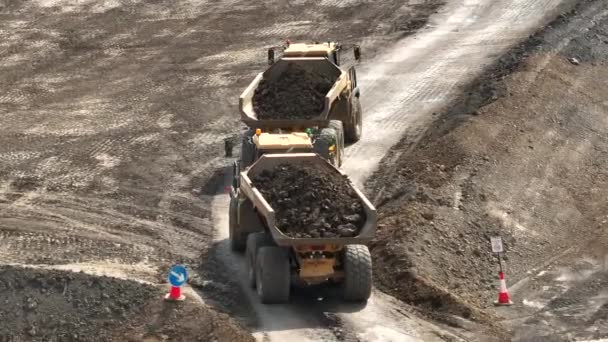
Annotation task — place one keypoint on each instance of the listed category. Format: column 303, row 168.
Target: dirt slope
column 39, row 305
column 521, row 156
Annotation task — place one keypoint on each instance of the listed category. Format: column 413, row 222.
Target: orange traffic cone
column 175, row 294
column 503, row 293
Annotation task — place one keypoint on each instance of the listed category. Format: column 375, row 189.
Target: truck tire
column 325, row 139
column 254, row 242
column 354, row 128
column 273, row 278
column 338, row 126
column 357, row 284
column 247, row 149
column 237, row 241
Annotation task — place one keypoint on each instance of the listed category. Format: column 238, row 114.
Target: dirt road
column 400, row 90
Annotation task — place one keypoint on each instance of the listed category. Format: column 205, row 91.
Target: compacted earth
column 312, row 201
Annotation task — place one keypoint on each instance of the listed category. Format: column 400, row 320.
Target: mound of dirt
column 297, row 93
column 43, row 305
column 311, row 202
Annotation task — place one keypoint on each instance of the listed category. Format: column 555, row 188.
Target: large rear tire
column 254, row 242
column 326, row 138
column 338, row 126
column 237, row 241
column 357, row 285
column 354, row 129
column 273, row 278
column 247, row 149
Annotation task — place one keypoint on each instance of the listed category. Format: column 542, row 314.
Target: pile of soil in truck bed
column 295, row 94
column 311, row 201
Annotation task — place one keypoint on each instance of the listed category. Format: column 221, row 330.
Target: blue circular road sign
column 178, row 275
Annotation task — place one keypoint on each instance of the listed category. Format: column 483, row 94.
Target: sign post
column 503, row 292
column 497, row 248
column 177, row 278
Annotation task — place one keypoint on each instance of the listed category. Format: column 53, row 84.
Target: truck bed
column 267, row 213
column 318, row 64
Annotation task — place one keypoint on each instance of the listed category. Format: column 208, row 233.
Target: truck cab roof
column 275, row 141
column 310, row 50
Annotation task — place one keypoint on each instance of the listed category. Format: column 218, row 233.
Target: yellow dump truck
column 341, row 104
column 276, row 262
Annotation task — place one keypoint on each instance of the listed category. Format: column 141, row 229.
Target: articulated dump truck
column 339, row 104
column 296, row 234
column 276, row 261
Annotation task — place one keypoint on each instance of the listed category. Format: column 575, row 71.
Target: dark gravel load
column 311, row 201
column 296, row 94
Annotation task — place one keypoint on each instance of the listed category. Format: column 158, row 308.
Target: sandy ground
column 521, row 156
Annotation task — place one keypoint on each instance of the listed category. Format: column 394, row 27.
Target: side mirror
column 357, row 51
column 270, row 56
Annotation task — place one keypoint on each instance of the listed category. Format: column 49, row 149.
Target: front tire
column 247, row 149
column 357, row 285
column 353, row 130
column 338, row 126
column 273, row 278
column 326, row 138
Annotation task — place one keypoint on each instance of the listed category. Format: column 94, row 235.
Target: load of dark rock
column 311, row 201
column 297, row 93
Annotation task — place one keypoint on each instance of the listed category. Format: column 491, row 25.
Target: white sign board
column 496, row 244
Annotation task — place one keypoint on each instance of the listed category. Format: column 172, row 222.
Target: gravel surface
column 49, row 305
column 311, row 201
column 297, row 93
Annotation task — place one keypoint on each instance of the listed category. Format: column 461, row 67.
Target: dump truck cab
column 282, row 143
column 327, row 142
column 329, row 50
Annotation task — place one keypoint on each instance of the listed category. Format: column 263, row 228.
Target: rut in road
column 400, row 90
